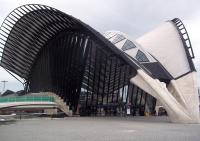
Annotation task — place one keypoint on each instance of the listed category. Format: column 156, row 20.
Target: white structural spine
column 181, row 105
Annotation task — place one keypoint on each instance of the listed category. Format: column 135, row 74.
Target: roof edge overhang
column 13, row 56
column 185, row 40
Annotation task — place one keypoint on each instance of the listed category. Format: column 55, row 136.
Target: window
column 110, row 35
column 106, row 34
column 141, row 57
column 118, row 38
column 128, row 45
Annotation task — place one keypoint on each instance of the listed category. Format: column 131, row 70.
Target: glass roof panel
column 141, row 57
column 128, row 45
column 118, row 38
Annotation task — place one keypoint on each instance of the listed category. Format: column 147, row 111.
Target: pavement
column 98, row 129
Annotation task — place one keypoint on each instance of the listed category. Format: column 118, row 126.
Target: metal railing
column 186, row 41
column 27, row 99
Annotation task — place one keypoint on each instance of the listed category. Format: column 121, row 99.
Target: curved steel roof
column 27, row 29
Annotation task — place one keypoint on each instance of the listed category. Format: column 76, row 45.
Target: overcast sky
column 134, row 17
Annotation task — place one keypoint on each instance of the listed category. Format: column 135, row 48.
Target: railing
column 27, row 99
column 186, row 41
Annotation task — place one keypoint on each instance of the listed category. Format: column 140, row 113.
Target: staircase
column 58, row 100
column 62, row 105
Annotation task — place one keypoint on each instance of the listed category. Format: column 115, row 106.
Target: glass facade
column 141, row 57
column 109, row 35
column 128, row 45
column 73, row 61
column 118, row 38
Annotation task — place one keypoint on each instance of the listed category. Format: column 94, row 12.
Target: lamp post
column 4, row 85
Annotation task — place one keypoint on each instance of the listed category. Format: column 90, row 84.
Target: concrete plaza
column 98, row 129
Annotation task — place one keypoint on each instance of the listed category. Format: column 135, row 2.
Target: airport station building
column 96, row 73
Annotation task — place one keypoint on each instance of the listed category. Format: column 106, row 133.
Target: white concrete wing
column 167, row 71
column 165, row 44
column 169, row 45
